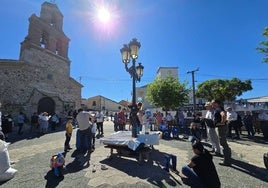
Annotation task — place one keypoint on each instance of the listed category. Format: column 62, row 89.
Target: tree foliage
column 223, row 89
column 263, row 46
column 167, row 93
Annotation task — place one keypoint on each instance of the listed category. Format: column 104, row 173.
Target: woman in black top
column 201, row 171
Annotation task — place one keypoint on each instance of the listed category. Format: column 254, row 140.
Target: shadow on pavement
column 257, row 172
column 80, row 162
column 14, row 137
column 152, row 170
column 52, row 180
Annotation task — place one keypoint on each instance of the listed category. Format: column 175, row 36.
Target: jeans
column 83, row 134
column 100, row 127
column 192, row 176
column 93, row 137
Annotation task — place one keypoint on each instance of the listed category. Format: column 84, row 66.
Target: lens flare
column 104, row 15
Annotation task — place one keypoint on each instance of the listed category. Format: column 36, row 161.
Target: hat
column 228, row 107
column 207, row 104
column 70, row 117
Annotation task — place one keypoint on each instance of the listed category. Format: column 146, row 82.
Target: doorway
column 46, row 104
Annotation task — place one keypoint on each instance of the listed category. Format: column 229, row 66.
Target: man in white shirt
column 85, row 130
column 231, row 117
column 211, row 131
column 100, row 118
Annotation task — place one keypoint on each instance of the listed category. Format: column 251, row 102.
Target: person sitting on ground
column 163, row 126
column 201, row 171
column 195, row 133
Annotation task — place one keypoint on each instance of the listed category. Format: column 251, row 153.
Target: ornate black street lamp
column 130, row 53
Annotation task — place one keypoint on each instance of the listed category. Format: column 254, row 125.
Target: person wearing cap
column 211, row 131
column 231, row 117
column 201, row 171
column 68, row 133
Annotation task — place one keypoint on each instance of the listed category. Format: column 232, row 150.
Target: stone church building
column 40, row 80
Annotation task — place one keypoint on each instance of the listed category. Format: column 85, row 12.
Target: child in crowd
column 195, row 133
column 163, row 126
column 68, row 133
column 93, row 126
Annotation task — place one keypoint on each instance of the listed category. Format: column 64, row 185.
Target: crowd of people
column 217, row 121
column 37, row 123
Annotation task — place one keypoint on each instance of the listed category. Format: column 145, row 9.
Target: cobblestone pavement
column 32, row 154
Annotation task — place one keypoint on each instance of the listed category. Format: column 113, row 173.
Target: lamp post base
column 134, row 131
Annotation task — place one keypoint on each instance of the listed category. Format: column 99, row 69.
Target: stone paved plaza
column 32, row 153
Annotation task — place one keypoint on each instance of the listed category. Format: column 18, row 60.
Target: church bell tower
column 46, row 32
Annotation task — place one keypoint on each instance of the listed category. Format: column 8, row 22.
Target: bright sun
column 104, row 15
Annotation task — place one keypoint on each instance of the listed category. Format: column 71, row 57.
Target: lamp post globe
column 129, row 53
column 125, row 52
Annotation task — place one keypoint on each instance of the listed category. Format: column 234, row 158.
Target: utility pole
column 193, row 84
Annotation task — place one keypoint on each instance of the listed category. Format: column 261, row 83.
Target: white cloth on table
column 124, row 138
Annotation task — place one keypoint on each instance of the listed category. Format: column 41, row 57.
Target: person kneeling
column 201, row 171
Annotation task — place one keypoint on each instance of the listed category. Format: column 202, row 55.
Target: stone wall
column 20, row 81
column 101, row 103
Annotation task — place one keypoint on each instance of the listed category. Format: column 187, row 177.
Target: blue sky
column 218, row 36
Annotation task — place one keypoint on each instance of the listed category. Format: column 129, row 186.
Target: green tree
column 167, row 93
column 263, row 46
column 224, row 90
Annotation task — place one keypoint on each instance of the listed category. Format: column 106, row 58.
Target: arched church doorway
column 46, row 104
